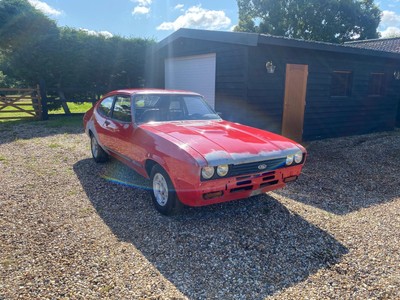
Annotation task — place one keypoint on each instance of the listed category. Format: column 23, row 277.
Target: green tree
column 334, row 21
column 94, row 62
column 20, row 23
column 33, row 48
column 27, row 41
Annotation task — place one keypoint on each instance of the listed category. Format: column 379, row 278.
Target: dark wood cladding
column 398, row 114
column 325, row 115
column 246, row 93
column 357, row 113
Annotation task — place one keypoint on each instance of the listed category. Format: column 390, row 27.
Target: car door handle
column 106, row 123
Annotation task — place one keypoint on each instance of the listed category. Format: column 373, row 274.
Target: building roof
column 150, row 91
column 388, row 45
column 256, row 39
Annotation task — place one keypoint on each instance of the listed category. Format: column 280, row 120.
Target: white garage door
column 192, row 73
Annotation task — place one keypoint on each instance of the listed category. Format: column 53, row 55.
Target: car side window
column 175, row 110
column 122, row 109
column 145, row 103
column 105, row 106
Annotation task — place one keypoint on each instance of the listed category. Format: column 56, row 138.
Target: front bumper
column 240, row 187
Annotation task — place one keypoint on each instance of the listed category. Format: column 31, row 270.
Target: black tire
column 98, row 153
column 163, row 193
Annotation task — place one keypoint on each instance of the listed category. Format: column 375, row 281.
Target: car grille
column 254, row 167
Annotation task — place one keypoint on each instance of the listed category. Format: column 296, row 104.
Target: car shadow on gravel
column 346, row 174
column 239, row 250
column 25, row 130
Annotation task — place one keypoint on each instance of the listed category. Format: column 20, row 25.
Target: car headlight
column 289, row 159
column 207, row 172
column 222, row 170
column 298, row 157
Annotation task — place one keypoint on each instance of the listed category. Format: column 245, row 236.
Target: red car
column 191, row 155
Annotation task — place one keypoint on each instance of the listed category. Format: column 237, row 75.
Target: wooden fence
column 23, row 103
column 57, row 96
column 33, row 103
column 20, row 103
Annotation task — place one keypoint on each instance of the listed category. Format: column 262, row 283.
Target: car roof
column 151, row 91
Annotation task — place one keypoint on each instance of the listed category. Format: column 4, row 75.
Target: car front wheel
column 98, row 153
column 163, row 193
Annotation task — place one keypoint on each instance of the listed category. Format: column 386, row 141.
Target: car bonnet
column 222, row 142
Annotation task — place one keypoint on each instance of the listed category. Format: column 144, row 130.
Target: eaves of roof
column 385, row 44
column 256, row 39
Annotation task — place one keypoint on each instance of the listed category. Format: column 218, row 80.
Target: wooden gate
column 295, row 101
column 20, row 103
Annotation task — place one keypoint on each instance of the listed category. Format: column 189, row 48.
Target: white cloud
column 390, row 24
column 105, row 34
column 143, row 2
column 390, row 18
column 390, row 32
column 179, row 6
column 140, row 10
column 200, row 18
column 143, row 7
column 45, row 8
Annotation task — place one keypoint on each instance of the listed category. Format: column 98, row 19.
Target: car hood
column 223, row 142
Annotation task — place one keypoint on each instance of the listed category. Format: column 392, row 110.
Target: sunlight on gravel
column 70, row 230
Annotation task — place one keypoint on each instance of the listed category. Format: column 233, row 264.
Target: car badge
column 262, row 167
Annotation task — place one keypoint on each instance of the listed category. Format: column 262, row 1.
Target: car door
column 103, row 125
column 120, row 126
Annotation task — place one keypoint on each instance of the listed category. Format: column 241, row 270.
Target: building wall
column 325, row 116
column 398, row 113
column 231, row 73
column 246, row 93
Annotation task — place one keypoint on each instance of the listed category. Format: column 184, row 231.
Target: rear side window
column 105, row 106
column 122, row 109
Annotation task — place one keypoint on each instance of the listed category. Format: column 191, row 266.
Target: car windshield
column 170, row 107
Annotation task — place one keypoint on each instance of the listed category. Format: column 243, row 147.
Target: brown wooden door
column 295, row 101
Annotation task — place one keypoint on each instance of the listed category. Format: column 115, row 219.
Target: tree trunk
column 64, row 103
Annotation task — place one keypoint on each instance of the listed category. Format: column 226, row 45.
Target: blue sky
column 159, row 18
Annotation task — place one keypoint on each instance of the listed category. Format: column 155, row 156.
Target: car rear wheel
column 98, row 153
column 163, row 194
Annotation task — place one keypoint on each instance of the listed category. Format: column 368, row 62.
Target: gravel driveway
column 72, row 229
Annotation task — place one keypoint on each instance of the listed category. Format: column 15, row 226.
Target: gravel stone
column 74, row 229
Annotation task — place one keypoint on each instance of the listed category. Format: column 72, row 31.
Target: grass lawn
column 74, row 108
column 56, row 117
column 63, row 121
column 54, row 121
column 12, row 112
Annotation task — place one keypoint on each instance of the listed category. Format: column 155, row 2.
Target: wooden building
column 387, row 45
column 302, row 89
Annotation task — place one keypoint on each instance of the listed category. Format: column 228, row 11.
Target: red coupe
column 191, row 155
